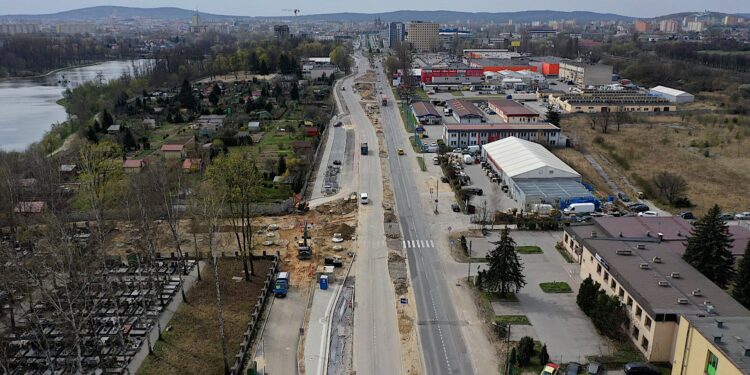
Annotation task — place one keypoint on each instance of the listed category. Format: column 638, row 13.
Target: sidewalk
column 318, row 329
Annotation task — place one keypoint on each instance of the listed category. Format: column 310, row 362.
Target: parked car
column 473, row 190
column 594, row 368
column 444, row 179
column 401, row 151
column 573, row 368
column 338, row 124
column 623, row 197
column 640, row 195
column 638, row 207
column 455, row 207
column 640, row 368
column 551, row 369
column 742, row 216
column 687, row 215
column 337, row 162
column 726, row 216
column 648, row 214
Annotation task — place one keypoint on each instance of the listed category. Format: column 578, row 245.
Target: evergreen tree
column 587, row 295
column 543, row 355
column 91, row 135
column 97, row 126
column 741, row 288
column 213, row 97
column 525, row 350
column 282, row 165
column 107, row 119
column 608, row 315
column 505, row 271
column 277, row 91
column 129, row 141
column 185, row 96
column 294, row 93
column 553, row 116
column 708, row 248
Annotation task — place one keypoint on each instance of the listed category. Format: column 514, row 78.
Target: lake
column 28, row 106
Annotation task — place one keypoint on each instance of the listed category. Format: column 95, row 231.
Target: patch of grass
column 192, row 346
column 624, row 352
column 419, row 93
column 512, row 319
column 422, row 166
column 457, row 93
column 529, row 249
column 556, row 287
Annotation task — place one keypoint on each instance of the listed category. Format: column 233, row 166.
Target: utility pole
column 437, row 194
column 468, row 271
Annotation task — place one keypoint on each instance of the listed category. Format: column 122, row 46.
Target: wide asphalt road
column 443, row 348
column 376, row 340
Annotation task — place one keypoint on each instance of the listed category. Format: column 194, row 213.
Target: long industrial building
column 533, row 174
column 592, row 101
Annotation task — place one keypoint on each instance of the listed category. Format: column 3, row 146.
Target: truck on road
column 363, row 148
column 281, row 286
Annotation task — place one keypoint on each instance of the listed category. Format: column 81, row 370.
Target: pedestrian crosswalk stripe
column 418, row 244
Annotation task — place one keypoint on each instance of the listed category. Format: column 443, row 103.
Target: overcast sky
column 635, row 8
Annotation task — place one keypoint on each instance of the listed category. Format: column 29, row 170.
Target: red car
column 551, row 369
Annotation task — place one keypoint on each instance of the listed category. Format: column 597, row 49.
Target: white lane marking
column 432, row 244
column 409, row 243
column 403, row 244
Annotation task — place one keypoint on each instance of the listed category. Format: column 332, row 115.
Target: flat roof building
column 423, row 36
column 584, row 74
column 673, row 95
column 717, row 346
column 592, row 101
column 638, row 260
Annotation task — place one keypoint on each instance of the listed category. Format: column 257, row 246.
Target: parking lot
column 496, row 199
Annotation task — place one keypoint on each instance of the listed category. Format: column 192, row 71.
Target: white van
column 363, row 198
column 474, row 149
column 435, row 160
column 579, row 209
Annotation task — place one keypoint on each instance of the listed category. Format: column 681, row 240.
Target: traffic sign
column 404, row 301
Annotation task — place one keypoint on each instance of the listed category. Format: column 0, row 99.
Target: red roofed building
column 132, row 165
column 191, row 165
column 462, row 135
column 513, row 111
column 173, row 151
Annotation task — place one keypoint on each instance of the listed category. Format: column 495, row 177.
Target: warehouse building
column 465, row 112
column 639, row 260
column 460, row 135
column 426, row 113
column 533, row 174
column 592, row 101
column 513, row 111
column 584, row 74
column 673, row 95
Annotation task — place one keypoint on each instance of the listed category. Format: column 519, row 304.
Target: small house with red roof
column 173, row 151
column 132, row 165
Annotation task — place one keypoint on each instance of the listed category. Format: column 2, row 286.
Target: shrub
column 543, row 355
column 525, row 350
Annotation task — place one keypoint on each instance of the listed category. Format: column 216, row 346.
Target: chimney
column 661, row 237
column 593, row 234
column 719, row 323
column 717, row 338
column 648, row 233
column 746, row 350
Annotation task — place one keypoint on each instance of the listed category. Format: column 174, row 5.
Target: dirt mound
column 389, row 217
column 346, row 230
column 405, row 323
column 338, row 207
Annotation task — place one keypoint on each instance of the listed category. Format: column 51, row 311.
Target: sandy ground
column 240, row 76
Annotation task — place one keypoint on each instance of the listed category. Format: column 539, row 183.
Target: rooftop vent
column 648, row 234
column 661, row 236
column 717, row 338
column 710, row 309
column 624, row 252
column 663, row 283
column 719, row 323
column 697, row 292
column 593, row 234
column 620, row 234
column 746, row 350
column 644, row 266
column 640, row 246
column 656, row 259
column 679, row 234
column 682, row 301
column 739, row 339
column 675, row 275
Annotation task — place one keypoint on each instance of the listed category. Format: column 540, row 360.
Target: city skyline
column 633, row 8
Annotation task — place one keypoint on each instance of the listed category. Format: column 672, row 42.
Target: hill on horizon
column 443, row 16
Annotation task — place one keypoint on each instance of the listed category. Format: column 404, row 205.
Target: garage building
column 533, row 174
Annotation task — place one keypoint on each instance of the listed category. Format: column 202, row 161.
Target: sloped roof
column 424, row 109
column 516, row 156
column 464, row 108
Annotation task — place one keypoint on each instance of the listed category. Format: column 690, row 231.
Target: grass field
column 512, row 319
column 556, row 287
column 529, row 249
column 192, row 346
column 422, row 166
column 711, row 152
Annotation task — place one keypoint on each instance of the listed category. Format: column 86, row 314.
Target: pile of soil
column 397, row 271
column 346, row 230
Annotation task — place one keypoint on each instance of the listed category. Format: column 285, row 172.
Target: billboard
column 515, row 43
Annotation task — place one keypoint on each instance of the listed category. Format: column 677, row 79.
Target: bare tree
column 670, row 186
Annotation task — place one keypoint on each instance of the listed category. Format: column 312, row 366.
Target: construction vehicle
column 363, row 148
column 304, row 250
column 281, row 286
